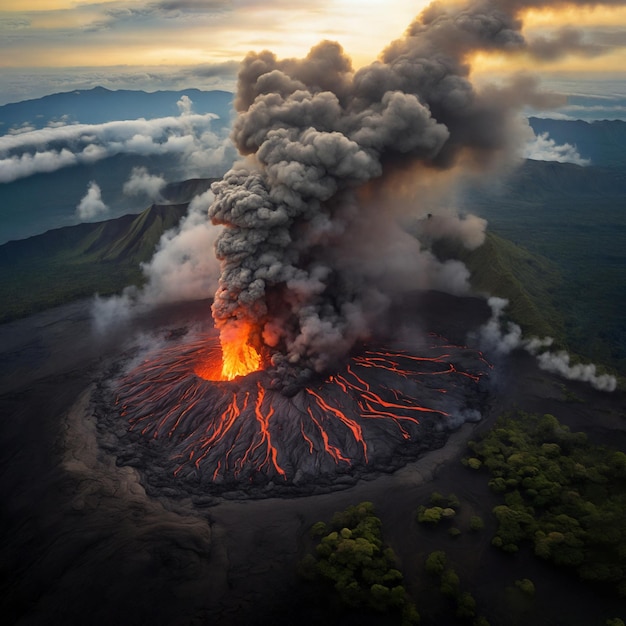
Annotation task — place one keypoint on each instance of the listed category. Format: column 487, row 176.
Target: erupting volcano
column 189, row 423
column 342, row 173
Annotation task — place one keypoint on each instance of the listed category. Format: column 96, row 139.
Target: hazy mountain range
column 98, row 105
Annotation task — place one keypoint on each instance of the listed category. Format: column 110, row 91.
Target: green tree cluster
column 350, row 555
column 436, row 565
column 561, row 493
column 442, row 508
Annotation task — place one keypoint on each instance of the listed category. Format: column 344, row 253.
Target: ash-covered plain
column 188, row 433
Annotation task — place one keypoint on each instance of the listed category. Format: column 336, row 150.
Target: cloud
column 188, row 137
column 499, row 338
column 185, row 105
column 572, row 41
column 141, row 182
column 543, row 148
column 92, row 206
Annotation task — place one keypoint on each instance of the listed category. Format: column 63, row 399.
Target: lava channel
column 185, row 426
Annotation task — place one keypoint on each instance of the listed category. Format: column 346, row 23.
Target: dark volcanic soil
column 82, row 542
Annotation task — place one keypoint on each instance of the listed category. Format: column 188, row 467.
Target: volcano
column 191, row 431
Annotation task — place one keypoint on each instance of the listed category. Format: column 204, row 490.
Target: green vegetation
column 572, row 216
column 444, row 508
column 436, row 565
column 562, row 494
column 79, row 261
column 528, row 281
column 526, row 585
column 350, row 555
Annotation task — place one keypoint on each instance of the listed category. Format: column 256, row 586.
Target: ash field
column 87, row 536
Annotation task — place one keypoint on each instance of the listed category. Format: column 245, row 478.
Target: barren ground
column 82, row 543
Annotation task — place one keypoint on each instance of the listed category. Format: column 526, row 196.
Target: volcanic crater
column 188, row 434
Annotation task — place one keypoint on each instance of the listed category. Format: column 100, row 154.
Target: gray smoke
column 314, row 133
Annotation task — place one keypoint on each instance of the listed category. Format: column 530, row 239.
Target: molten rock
column 192, row 432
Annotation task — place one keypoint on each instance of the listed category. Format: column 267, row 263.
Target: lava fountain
column 193, row 425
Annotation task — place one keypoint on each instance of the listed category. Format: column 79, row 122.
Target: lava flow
column 186, row 418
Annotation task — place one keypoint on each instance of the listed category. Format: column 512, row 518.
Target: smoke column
column 302, row 220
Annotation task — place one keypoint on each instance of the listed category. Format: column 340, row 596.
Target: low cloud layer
column 188, row 137
column 502, row 338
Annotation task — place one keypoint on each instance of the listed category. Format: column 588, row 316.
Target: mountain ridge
column 99, row 105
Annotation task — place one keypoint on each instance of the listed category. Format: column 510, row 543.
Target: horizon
column 60, row 46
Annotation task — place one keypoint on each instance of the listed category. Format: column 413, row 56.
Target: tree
column 436, row 562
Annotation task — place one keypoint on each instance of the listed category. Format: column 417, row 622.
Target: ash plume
column 320, row 140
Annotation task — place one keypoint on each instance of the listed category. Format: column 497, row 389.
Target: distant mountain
column 539, row 179
column 601, row 141
column 574, row 216
column 77, row 261
column 99, row 105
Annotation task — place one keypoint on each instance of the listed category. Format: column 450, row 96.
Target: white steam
column 183, row 268
column 502, row 338
column 543, row 148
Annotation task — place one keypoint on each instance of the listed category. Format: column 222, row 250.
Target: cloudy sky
column 55, row 45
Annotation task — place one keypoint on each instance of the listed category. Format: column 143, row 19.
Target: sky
column 49, row 46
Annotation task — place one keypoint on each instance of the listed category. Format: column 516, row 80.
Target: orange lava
column 237, row 356
column 238, row 432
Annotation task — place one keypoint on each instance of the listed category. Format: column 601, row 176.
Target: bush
column 466, row 606
column 436, row 499
column 318, row 529
column 561, row 492
column 450, row 583
column 431, row 516
column 476, row 523
column 436, row 562
column 351, row 557
column 526, row 585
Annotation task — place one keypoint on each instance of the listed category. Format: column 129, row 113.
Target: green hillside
column 78, row 261
column 528, row 281
column 574, row 216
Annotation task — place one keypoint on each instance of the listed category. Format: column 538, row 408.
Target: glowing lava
column 238, row 356
column 379, row 411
